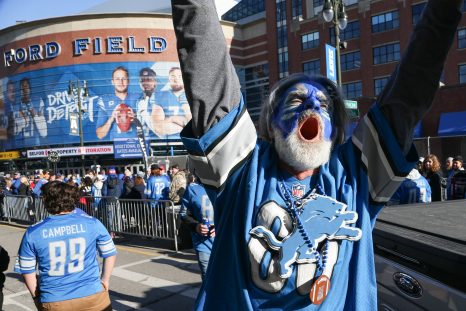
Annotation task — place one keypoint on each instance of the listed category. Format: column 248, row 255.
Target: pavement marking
column 135, row 263
column 137, row 251
column 12, row 226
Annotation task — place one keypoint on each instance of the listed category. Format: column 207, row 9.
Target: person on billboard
column 29, row 119
column 295, row 204
column 116, row 111
column 172, row 112
column 148, row 84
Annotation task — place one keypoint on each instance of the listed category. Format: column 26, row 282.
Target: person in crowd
column 66, row 260
column 420, row 165
column 85, row 192
column 138, row 191
column 4, row 262
column 116, row 111
column 111, row 190
column 177, row 185
column 456, row 167
column 157, row 188
column 414, row 189
column 448, row 167
column 128, row 185
column 16, row 182
column 458, row 179
column 24, row 187
column 43, row 179
column 59, row 177
column 432, row 172
column 269, row 193
column 197, row 212
column 158, row 184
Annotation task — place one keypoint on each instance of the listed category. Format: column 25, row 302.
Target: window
column 256, row 88
column 297, row 8
column 350, row 32
column 379, row 84
column 350, row 61
column 312, row 67
column 462, row 38
column 244, row 9
column 352, row 90
column 384, row 22
column 386, row 53
column 416, row 11
column 462, row 73
column 310, row 40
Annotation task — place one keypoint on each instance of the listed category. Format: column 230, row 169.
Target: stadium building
column 69, row 84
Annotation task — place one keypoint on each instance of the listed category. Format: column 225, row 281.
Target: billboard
column 40, row 108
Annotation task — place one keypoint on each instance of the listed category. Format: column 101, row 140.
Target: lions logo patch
column 279, row 248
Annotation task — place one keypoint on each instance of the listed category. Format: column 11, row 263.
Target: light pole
column 78, row 92
column 334, row 11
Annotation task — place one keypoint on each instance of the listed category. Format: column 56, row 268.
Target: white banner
column 72, row 151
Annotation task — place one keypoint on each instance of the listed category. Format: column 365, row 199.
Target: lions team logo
column 298, row 190
column 310, row 251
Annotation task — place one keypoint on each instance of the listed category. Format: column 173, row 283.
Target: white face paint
column 299, row 154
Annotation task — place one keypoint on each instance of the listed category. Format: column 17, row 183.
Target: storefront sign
column 71, row 151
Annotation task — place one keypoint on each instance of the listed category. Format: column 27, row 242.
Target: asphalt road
column 148, row 275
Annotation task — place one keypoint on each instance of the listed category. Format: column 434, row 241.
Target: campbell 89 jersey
column 63, row 248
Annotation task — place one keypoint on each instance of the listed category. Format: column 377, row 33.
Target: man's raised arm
column 411, row 89
column 210, row 80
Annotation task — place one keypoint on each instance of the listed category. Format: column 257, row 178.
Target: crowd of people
column 431, row 181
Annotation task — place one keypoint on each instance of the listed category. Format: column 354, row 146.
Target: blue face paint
column 297, row 99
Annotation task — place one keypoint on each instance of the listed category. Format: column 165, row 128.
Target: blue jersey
column 415, row 189
column 267, row 254
column 157, row 187
column 172, row 105
column 255, row 224
column 64, row 249
column 197, row 204
column 106, row 106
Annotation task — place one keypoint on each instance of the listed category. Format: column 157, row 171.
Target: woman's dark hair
column 330, row 89
column 87, row 182
column 59, row 197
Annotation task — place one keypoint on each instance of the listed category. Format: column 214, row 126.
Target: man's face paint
column 297, row 99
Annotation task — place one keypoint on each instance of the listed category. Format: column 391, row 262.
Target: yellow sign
column 9, row 155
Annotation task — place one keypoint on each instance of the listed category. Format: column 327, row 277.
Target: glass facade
column 350, row 32
column 297, row 9
column 244, row 9
column 256, row 88
column 379, row 84
column 352, row 90
column 462, row 73
column 384, row 22
column 312, row 67
column 350, row 61
column 462, row 38
column 310, row 40
column 282, row 38
column 386, row 53
column 416, row 11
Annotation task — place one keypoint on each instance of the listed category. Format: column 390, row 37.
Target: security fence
column 144, row 218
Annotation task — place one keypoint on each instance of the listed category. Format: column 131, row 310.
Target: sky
column 30, row 10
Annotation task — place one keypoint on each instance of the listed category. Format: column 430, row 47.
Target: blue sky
column 30, row 10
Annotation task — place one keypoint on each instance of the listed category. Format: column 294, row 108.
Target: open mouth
column 309, row 129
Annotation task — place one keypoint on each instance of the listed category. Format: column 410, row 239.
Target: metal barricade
column 144, row 218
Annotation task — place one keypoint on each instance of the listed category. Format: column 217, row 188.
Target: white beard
column 299, row 154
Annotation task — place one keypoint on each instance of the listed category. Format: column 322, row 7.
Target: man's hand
column 202, row 229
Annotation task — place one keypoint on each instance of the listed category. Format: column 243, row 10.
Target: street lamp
column 334, row 11
column 78, row 92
